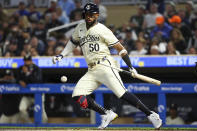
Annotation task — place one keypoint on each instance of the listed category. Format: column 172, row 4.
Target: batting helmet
column 91, row 8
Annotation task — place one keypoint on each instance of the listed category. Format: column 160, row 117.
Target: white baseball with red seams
column 63, row 79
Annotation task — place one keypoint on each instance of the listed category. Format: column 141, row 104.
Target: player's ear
column 97, row 15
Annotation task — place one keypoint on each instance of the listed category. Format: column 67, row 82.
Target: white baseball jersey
column 94, row 41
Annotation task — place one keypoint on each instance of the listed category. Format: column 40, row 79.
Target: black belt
column 91, row 65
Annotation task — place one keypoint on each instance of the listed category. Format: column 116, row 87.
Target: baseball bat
column 139, row 76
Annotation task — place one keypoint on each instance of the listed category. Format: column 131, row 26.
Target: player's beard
column 89, row 24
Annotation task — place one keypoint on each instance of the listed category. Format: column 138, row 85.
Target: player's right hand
column 133, row 72
column 57, row 58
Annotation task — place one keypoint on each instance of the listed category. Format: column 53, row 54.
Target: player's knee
column 82, row 100
column 22, row 109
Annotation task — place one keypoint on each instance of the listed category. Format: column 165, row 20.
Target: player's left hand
column 133, row 72
column 57, row 58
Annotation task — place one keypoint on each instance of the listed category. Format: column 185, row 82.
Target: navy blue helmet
column 91, row 8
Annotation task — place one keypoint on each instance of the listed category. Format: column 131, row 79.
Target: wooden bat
column 138, row 76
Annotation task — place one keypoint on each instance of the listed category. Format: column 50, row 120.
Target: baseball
column 63, row 79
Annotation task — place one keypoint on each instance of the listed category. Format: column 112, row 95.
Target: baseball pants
column 98, row 75
column 25, row 103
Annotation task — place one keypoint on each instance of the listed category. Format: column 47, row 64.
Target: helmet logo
column 88, row 7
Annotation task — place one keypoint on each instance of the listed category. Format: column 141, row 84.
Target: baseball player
column 94, row 39
column 29, row 73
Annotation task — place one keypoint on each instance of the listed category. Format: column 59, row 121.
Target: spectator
column 62, row 16
column 49, row 52
column 54, row 21
column 23, row 39
column 62, row 40
column 52, row 8
column 34, row 52
column 13, row 35
column 51, row 44
column 12, row 49
column 21, row 10
column 37, row 45
column 158, row 42
column 178, row 40
column 40, row 31
column 193, row 41
column 2, row 39
column 29, row 73
column 144, row 36
column 102, row 11
column 192, row 51
column 175, row 21
column 170, row 10
column 160, row 5
column 67, row 6
column 3, row 14
column 154, row 50
column 76, row 14
column 121, row 31
column 162, row 29
column 171, row 50
column 189, row 6
column 193, row 19
column 173, row 118
column 34, row 15
column 10, row 102
column 26, row 49
column 128, row 41
column 183, row 17
column 140, row 48
column 136, row 21
column 59, row 49
column 149, row 19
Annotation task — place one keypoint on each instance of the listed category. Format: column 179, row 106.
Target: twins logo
column 63, row 88
column 88, row 7
column 161, row 108
column 1, row 89
column 195, row 88
column 36, row 108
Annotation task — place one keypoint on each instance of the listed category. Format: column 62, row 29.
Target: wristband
column 122, row 51
column 60, row 56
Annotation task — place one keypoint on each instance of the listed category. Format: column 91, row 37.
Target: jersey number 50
column 93, row 47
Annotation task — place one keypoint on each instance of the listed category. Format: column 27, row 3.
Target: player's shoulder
column 82, row 24
column 102, row 27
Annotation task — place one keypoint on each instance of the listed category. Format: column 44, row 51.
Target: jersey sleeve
column 75, row 36
column 109, row 38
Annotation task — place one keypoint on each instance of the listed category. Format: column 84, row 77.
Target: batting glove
column 57, row 58
column 133, row 72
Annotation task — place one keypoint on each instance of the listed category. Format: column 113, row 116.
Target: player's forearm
column 127, row 60
column 123, row 53
column 68, row 49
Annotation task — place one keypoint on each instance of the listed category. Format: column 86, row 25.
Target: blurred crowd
column 153, row 30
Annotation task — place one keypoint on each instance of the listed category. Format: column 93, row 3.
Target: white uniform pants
column 10, row 119
column 25, row 103
column 100, row 75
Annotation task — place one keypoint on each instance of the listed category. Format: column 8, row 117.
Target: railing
column 39, row 89
column 79, row 62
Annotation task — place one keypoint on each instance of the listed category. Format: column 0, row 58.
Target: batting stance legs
column 111, row 78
